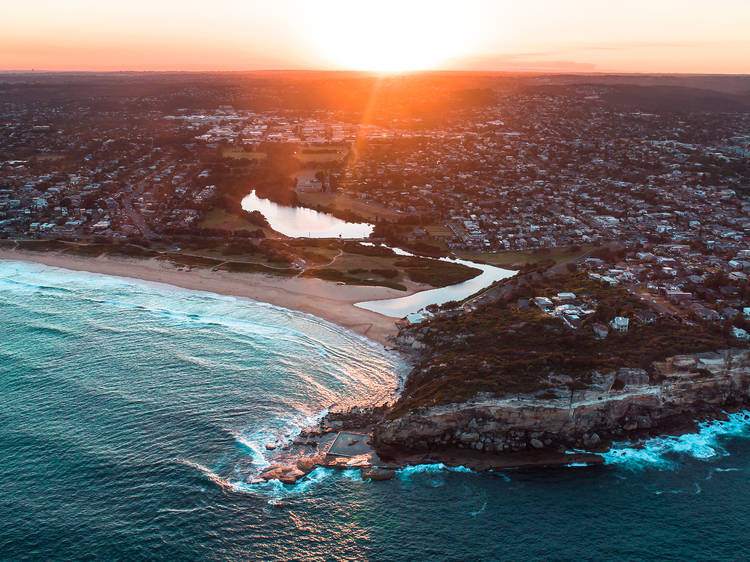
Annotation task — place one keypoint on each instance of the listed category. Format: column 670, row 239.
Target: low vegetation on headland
column 510, row 346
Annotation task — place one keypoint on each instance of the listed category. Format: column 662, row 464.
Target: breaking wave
column 667, row 452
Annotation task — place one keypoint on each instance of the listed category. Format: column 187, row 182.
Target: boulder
column 591, row 440
column 312, row 431
column 291, row 476
column 470, row 437
column 274, row 472
column 284, row 474
column 536, row 444
column 335, row 462
column 308, row 464
column 378, row 474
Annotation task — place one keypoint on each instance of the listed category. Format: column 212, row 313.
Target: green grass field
column 241, row 154
column 325, row 155
column 333, row 201
column 558, row 255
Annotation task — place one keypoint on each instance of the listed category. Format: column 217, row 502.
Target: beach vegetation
column 502, row 350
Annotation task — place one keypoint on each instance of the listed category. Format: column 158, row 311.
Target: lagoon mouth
column 403, row 306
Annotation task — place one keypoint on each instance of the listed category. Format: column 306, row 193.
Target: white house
column 620, row 324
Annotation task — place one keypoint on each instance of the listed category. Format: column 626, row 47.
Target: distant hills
column 426, row 94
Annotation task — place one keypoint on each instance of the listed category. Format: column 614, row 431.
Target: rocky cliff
column 620, row 404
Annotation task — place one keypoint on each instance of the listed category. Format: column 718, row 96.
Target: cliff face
column 622, row 403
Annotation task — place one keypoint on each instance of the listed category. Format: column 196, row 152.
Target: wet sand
column 327, row 300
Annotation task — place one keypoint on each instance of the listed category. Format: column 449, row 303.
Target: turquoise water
column 133, row 420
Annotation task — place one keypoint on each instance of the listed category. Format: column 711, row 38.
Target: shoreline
column 335, row 304
column 373, row 464
column 324, row 299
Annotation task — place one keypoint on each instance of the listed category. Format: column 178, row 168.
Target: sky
column 685, row 36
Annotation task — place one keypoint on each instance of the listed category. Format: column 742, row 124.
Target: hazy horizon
column 373, row 73
column 575, row 36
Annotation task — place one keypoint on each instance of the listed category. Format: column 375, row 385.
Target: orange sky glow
column 684, row 36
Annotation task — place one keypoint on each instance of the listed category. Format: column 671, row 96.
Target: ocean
column 134, row 417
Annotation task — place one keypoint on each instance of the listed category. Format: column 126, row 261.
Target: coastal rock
column 679, row 393
column 336, row 462
column 644, row 422
column 312, row 431
column 291, row 476
column 591, row 440
column 378, row 474
column 308, row 464
column 632, row 377
column 284, row 474
column 470, row 437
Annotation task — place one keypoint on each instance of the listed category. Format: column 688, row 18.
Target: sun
column 389, row 35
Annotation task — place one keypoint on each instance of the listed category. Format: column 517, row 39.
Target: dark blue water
column 133, row 419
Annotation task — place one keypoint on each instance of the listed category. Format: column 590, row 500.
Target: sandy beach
column 327, row 300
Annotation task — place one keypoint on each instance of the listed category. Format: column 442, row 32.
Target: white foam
column 208, row 473
column 285, row 432
column 276, row 491
column 501, row 474
column 479, row 511
column 353, row 474
column 408, row 471
column 253, row 443
column 664, row 452
column 21, row 276
column 349, row 357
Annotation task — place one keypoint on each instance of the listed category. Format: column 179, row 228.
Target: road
column 137, row 219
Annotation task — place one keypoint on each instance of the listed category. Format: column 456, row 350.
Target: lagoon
column 299, row 222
